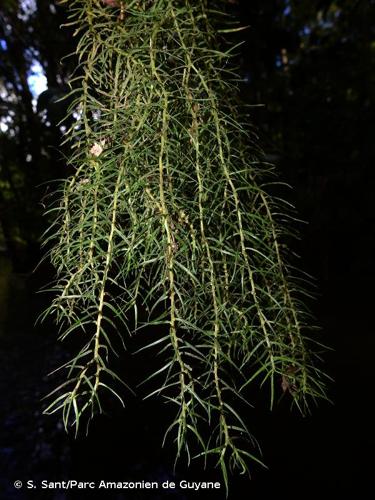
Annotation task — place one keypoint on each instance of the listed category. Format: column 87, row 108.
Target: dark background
column 308, row 70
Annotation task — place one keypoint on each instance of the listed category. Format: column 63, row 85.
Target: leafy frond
column 169, row 208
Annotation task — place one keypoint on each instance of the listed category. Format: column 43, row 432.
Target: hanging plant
column 168, row 210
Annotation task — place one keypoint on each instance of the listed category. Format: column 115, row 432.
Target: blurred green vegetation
column 31, row 47
column 311, row 63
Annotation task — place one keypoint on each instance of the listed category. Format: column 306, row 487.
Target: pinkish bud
column 97, row 148
column 111, row 3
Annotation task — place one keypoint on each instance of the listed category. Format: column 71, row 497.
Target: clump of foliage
column 168, row 209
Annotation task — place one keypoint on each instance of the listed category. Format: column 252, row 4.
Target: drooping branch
column 167, row 207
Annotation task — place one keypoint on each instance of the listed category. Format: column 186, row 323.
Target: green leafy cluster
column 168, row 210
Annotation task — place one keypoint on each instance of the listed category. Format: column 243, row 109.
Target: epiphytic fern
column 168, row 206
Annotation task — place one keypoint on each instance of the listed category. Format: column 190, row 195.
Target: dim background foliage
column 308, row 68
